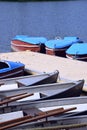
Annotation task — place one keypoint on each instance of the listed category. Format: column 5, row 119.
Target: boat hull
column 50, row 91
column 23, row 83
column 76, row 89
column 54, row 123
column 77, row 51
column 13, row 73
column 58, row 47
column 56, row 52
column 9, row 69
column 62, row 121
column 17, row 45
column 77, row 57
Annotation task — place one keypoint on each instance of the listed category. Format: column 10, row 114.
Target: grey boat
column 46, row 91
column 62, row 120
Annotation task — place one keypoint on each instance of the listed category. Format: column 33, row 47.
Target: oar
column 15, row 98
column 28, row 116
column 15, row 120
column 37, row 118
column 50, row 111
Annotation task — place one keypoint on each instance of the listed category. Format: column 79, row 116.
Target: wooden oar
column 15, row 98
column 15, row 120
column 49, row 111
column 28, row 116
column 37, row 118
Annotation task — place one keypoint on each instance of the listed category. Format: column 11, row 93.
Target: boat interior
column 3, row 65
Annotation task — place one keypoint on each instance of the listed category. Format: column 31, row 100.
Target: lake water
column 48, row 19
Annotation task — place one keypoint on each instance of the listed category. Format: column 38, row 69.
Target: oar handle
column 15, row 98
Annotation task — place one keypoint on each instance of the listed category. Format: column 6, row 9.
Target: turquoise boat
column 24, row 42
column 59, row 46
column 77, row 51
column 28, row 39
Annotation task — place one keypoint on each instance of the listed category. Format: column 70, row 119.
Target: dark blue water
column 48, row 19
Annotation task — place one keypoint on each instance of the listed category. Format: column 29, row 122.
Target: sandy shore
column 68, row 69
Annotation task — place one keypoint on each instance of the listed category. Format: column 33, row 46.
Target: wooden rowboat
column 28, row 80
column 32, row 118
column 53, row 115
column 10, row 69
column 59, row 46
column 44, row 92
column 54, row 122
column 77, row 52
column 23, row 43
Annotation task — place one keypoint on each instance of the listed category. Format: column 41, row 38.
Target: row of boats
column 40, row 101
column 71, row 46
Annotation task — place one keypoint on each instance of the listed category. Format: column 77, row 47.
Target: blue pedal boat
column 24, row 42
column 59, row 46
column 77, row 51
column 9, row 69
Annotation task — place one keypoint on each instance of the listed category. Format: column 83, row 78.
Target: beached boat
column 23, row 43
column 29, row 80
column 77, row 51
column 11, row 69
column 59, row 46
column 45, row 104
column 51, row 122
column 53, row 114
column 43, row 92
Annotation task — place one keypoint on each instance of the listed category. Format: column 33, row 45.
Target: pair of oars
column 29, row 118
column 15, row 98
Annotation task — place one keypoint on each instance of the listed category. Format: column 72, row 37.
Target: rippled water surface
column 48, row 19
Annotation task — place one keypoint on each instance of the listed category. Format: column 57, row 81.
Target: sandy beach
column 68, row 69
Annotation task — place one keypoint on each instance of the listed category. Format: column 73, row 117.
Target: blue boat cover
column 77, row 49
column 61, row 43
column 57, row 44
column 11, row 66
column 73, row 39
column 33, row 40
